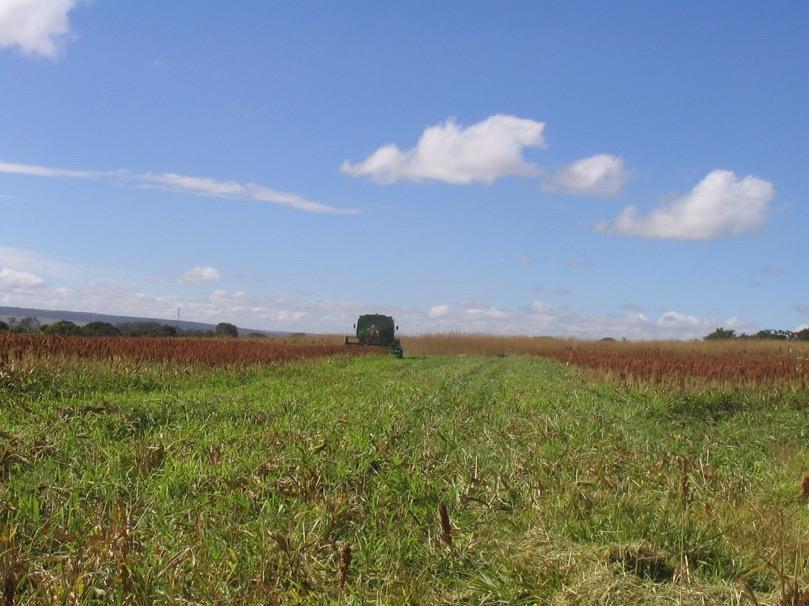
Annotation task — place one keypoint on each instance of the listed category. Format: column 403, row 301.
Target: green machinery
column 376, row 330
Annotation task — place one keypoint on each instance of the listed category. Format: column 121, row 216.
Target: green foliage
column 62, row 327
column 775, row 335
column 99, row 329
column 769, row 334
column 147, row 329
column 162, row 483
column 721, row 333
column 225, row 329
column 3, row 326
column 28, row 324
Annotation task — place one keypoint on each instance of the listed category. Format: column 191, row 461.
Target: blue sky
column 567, row 168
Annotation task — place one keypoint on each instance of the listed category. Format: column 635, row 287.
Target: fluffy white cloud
column 36, row 27
column 801, row 327
column 454, row 154
column 200, row 186
column 195, row 275
column 598, row 175
column 438, row 311
column 11, row 278
column 719, row 205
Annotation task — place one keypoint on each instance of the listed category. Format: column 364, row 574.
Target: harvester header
column 376, row 330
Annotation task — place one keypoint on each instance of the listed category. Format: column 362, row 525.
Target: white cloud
column 195, row 275
column 598, row 175
column 802, row 308
column 280, row 312
column 28, row 261
column 454, row 154
column 204, row 186
column 526, row 260
column 36, row 27
column 719, row 205
column 94, row 289
column 200, row 186
column 45, row 171
column 801, row 327
column 772, row 271
column 676, row 320
column 438, row 311
column 488, row 313
column 11, row 278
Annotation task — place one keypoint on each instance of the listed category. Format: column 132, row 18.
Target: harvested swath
column 209, row 352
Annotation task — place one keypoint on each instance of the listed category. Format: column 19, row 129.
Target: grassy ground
column 162, row 484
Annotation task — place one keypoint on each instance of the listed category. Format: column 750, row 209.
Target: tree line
column 768, row 334
column 31, row 325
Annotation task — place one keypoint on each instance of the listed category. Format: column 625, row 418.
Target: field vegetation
column 504, row 473
column 209, row 352
column 731, row 362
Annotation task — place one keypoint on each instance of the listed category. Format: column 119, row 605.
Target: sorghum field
column 469, row 472
column 209, row 352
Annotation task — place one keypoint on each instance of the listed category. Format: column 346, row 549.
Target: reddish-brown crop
column 210, row 352
column 743, row 361
column 666, row 366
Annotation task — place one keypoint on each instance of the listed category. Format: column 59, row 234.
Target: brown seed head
column 345, row 564
column 446, row 527
column 805, row 488
column 684, row 489
column 9, row 588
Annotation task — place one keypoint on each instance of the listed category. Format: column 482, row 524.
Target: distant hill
column 49, row 316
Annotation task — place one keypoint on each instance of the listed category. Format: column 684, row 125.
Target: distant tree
column 99, row 329
column 4, row 327
column 167, row 330
column 721, row 333
column 225, row 329
column 193, row 332
column 775, row 335
column 27, row 325
column 147, row 329
column 62, row 327
column 136, row 329
column 802, row 335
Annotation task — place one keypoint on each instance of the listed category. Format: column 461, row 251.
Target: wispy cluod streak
column 200, row 186
column 45, row 171
column 233, row 189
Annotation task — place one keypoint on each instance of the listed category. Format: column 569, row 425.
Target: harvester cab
column 376, row 330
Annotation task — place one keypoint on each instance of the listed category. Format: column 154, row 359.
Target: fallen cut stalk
column 345, row 564
column 446, row 527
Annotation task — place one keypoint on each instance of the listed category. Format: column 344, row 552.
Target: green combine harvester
column 376, row 330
